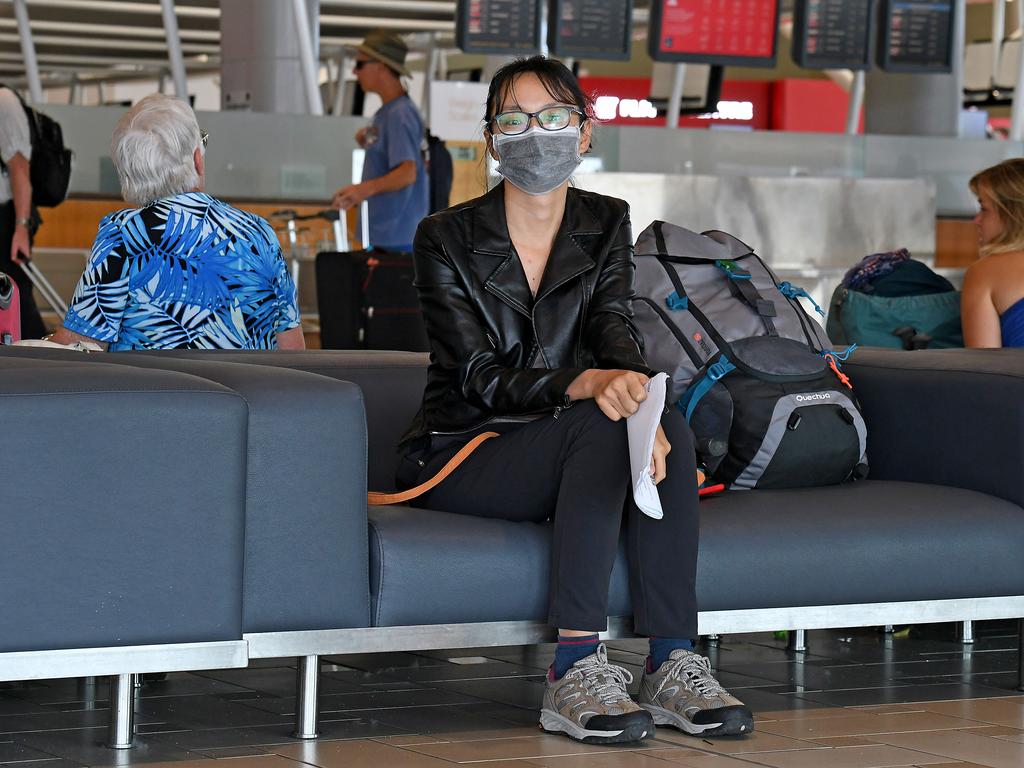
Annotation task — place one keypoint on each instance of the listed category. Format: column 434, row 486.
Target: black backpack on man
column 440, row 172
column 50, row 166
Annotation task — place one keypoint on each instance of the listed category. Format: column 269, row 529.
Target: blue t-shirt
column 394, row 216
column 184, row 272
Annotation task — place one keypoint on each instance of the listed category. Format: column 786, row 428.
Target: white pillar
column 307, row 58
column 339, row 88
column 856, row 103
column 28, row 51
column 433, row 54
column 174, row 55
column 998, row 34
column 959, row 51
column 675, row 98
column 262, row 65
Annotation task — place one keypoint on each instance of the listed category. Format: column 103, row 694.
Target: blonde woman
column 993, row 295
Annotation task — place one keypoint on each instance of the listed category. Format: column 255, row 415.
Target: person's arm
column 291, row 339
column 617, row 392
column 978, row 314
column 400, row 137
column 21, row 194
column 610, row 332
column 399, row 177
column 65, row 336
column 101, row 295
column 287, row 319
column 459, row 341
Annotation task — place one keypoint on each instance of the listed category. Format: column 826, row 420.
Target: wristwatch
column 25, row 221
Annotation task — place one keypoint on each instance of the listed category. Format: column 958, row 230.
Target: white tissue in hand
column 642, row 427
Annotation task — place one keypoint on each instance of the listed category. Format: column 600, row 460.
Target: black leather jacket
column 496, row 351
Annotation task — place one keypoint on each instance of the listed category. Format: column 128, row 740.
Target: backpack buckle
column 675, row 301
column 719, row 369
column 732, row 270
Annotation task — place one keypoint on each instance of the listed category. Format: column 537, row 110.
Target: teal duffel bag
column 901, row 322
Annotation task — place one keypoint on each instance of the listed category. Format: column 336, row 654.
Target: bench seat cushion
column 872, row 541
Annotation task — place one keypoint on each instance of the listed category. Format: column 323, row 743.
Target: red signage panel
column 729, row 32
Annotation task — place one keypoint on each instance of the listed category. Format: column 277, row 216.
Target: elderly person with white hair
column 182, row 270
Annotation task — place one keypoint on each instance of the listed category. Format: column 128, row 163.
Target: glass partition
column 304, row 158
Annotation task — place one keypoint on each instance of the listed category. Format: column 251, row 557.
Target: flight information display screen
column 917, row 36
column 727, row 32
column 832, row 34
column 590, row 29
column 498, row 26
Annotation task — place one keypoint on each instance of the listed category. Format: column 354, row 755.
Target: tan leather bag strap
column 377, row 499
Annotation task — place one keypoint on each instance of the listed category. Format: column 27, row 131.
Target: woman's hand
column 661, row 450
column 617, row 393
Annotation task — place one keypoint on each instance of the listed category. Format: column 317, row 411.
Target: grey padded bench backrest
column 123, row 502
column 392, row 384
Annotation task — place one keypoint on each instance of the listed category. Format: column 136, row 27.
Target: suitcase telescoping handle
column 45, row 288
column 338, row 223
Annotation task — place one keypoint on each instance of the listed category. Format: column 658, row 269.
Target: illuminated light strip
column 612, row 107
column 731, row 110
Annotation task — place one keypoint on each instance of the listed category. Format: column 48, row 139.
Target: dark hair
column 557, row 79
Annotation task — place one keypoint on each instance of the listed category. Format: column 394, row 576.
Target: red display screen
column 715, row 31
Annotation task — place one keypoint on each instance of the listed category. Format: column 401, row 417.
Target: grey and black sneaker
column 683, row 693
column 591, row 704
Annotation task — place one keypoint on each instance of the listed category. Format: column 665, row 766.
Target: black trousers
column 575, row 469
column 31, row 322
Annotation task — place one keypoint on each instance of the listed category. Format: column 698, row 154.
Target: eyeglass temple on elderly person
column 204, row 139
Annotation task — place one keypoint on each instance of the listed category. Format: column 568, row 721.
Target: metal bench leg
column 1020, row 655
column 967, row 635
column 305, row 704
column 121, row 732
column 798, row 640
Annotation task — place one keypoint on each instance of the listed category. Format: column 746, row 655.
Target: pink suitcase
column 10, row 311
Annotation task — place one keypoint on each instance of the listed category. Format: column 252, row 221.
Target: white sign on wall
column 457, row 110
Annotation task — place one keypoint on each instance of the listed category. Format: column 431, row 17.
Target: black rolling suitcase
column 366, row 300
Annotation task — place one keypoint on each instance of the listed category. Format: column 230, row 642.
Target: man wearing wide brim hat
column 394, row 173
column 385, row 47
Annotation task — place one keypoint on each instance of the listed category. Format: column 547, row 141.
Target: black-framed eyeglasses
column 361, row 62
column 204, row 139
column 549, row 118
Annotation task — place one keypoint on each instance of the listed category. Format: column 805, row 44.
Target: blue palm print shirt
column 184, row 272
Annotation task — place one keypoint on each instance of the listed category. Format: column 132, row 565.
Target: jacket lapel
column 498, row 265
column 494, row 259
column 574, row 246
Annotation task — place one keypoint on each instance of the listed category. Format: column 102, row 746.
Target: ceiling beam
column 123, row 45
column 399, row 25
column 112, row 30
column 412, row 6
column 108, row 6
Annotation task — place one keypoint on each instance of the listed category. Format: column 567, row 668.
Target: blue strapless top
column 1012, row 324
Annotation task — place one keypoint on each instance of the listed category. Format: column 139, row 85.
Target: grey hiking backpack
column 750, row 369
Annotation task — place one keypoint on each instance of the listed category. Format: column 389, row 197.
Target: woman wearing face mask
column 526, row 294
column 992, row 304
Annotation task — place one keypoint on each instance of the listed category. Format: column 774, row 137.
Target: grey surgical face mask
column 538, row 161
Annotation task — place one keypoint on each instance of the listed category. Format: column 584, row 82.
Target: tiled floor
column 856, row 699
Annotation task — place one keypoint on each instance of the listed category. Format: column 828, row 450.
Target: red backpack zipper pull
column 835, row 369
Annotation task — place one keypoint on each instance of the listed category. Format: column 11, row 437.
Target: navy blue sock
column 570, row 650
column 661, row 647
